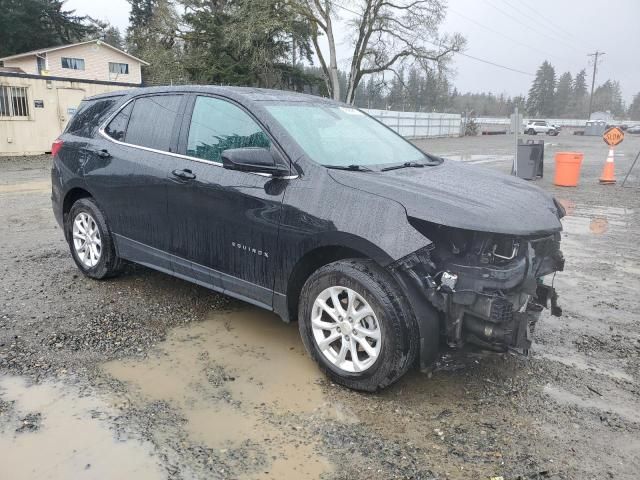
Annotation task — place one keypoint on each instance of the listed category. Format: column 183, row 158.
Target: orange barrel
column 568, row 168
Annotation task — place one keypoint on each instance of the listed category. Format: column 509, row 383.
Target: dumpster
column 530, row 159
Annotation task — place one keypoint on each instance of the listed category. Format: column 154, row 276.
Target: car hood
column 462, row 196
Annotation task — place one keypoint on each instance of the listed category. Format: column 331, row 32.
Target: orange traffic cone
column 608, row 176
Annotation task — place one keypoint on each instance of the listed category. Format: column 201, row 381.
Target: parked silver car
column 541, row 126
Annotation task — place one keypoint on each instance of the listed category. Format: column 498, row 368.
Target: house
column 90, row 60
column 41, row 90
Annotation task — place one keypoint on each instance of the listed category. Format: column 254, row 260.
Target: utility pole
column 593, row 79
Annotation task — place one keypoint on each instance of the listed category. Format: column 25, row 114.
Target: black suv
column 314, row 210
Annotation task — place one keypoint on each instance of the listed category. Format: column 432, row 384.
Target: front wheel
column 356, row 325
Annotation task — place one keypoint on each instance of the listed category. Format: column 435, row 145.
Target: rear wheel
column 356, row 325
column 90, row 240
column 531, row 131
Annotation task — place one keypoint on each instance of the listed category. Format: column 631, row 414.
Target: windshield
column 340, row 136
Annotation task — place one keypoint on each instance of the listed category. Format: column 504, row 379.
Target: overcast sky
column 518, row 34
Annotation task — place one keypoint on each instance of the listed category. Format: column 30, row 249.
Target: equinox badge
column 248, row 249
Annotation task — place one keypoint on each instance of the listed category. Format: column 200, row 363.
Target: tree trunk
column 333, row 62
column 352, row 85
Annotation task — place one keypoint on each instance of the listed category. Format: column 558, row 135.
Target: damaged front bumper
column 487, row 290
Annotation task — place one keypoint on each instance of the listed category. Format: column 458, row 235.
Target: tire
column 397, row 346
column 531, row 132
column 105, row 263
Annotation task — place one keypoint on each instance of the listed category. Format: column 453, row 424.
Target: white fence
column 563, row 122
column 419, row 124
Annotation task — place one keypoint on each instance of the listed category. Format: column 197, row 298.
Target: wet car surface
column 313, row 210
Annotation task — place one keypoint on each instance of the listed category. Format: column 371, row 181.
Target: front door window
column 217, row 125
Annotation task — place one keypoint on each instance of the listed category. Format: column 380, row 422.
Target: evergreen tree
column 396, row 98
column 542, row 91
column 153, row 36
column 140, row 19
column 578, row 106
column 414, row 90
column 30, row 24
column 564, row 95
column 608, row 98
column 243, row 42
column 634, row 108
column 110, row 34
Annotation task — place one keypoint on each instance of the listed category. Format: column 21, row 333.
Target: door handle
column 103, row 153
column 185, row 174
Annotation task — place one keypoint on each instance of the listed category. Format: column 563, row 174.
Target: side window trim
column 184, row 133
column 177, row 124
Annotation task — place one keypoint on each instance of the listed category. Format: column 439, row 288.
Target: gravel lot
column 147, row 376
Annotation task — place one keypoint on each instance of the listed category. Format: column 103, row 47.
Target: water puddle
column 479, row 159
column 231, row 377
column 594, row 220
column 66, row 437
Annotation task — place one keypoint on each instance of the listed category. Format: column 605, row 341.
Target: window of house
column 73, row 63
column 13, row 101
column 41, row 64
column 153, row 121
column 217, row 125
column 119, row 68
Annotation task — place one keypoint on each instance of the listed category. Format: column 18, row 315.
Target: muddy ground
column 147, row 376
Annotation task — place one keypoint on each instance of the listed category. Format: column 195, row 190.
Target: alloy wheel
column 346, row 329
column 86, row 239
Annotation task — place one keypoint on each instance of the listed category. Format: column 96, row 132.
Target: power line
column 550, row 22
column 495, row 64
column 493, row 30
column 507, row 14
column 552, row 30
column 488, row 62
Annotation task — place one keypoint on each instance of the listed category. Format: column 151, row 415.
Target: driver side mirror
column 255, row 160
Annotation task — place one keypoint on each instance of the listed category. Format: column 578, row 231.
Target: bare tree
column 385, row 33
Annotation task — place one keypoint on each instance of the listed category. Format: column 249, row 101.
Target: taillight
column 55, row 147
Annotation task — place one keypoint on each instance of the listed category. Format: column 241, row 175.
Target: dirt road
column 147, row 376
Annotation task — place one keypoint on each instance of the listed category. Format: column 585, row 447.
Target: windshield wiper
column 434, row 161
column 353, row 168
column 403, row 165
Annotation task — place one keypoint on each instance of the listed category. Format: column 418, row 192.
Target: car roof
column 238, row 93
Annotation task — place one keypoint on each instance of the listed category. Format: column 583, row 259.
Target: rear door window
column 218, row 125
column 153, row 121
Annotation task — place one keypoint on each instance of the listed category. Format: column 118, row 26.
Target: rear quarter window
column 90, row 115
column 117, row 127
